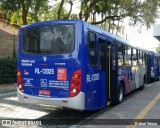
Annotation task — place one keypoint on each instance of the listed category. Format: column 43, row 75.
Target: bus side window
column 134, row 57
column 139, row 57
column 120, row 54
column 127, row 56
column 144, row 59
column 92, row 47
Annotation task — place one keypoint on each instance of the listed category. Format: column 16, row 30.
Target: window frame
column 122, row 53
column 92, row 49
column 135, row 56
column 126, row 55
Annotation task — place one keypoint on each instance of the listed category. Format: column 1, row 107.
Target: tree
column 22, row 9
column 137, row 11
column 7, row 7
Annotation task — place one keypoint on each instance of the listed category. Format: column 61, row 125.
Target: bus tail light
column 20, row 81
column 75, row 85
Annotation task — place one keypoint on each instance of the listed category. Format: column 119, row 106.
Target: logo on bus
column 61, row 74
column 44, row 58
column 92, row 77
column 26, row 72
column 43, row 82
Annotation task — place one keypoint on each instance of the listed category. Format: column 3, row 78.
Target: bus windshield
column 55, row 39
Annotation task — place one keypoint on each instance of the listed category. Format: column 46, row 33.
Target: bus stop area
column 139, row 110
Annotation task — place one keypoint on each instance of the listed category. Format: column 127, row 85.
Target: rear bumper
column 77, row 102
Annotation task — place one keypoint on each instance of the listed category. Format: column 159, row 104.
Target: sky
column 143, row 39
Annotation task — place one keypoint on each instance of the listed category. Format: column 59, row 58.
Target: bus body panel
column 132, row 76
column 49, row 76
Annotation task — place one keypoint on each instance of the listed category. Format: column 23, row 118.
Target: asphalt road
column 138, row 105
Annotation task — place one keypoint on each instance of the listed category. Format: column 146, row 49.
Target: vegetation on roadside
column 8, row 70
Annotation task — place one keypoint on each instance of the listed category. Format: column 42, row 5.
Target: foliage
column 112, row 12
column 137, row 11
column 22, row 10
column 30, row 11
column 8, row 70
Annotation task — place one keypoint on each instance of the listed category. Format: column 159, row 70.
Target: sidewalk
column 142, row 105
column 7, row 87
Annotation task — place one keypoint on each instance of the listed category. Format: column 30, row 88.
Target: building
column 156, row 31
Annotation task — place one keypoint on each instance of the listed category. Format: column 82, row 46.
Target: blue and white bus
column 154, row 65
column 73, row 64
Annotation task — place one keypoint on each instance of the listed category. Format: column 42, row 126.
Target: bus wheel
column 120, row 93
column 157, row 79
column 142, row 87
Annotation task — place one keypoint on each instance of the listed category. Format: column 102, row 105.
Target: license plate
column 44, row 92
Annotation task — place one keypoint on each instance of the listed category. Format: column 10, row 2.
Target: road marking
column 144, row 112
column 8, row 94
column 149, row 85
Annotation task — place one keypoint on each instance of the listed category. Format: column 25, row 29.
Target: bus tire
column 157, row 79
column 142, row 87
column 120, row 93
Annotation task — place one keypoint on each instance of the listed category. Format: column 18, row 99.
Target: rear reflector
column 43, row 64
column 65, row 101
column 25, row 97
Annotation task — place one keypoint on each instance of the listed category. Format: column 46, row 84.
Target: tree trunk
column 113, row 26
column 24, row 13
column 80, row 15
column 71, row 5
column 86, row 17
column 109, row 25
column 117, row 28
column 102, row 26
column 89, row 9
column 60, row 9
column 38, row 2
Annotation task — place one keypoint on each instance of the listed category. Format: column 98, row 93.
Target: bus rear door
column 109, row 73
column 103, row 47
column 113, row 69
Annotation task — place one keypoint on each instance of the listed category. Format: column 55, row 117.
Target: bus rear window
column 56, row 39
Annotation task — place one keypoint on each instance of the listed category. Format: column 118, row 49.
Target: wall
column 7, row 43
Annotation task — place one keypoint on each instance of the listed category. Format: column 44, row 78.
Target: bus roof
column 88, row 25
column 50, row 22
